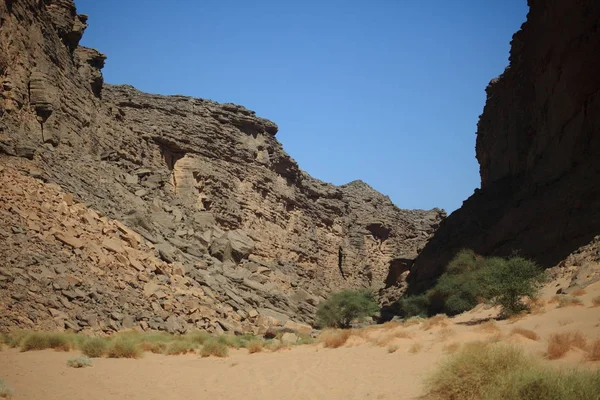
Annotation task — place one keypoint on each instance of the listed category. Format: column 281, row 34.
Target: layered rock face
column 538, row 146
column 172, row 212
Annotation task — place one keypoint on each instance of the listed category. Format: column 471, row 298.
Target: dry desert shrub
column 412, row 321
column 79, row 362
column 568, row 301
column 123, row 347
column 334, row 338
column 594, row 351
column 415, row 348
column 528, row 333
column 43, row 340
column 94, row 347
column 255, row 346
column 392, row 348
column 214, row 348
column 445, row 333
column 438, row 320
column 386, row 339
column 488, row 327
column 560, row 343
column 596, row 301
column 5, row 391
column 451, row 348
column 180, row 347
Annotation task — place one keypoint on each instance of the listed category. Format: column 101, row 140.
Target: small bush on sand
column 568, row 301
column 229, row 341
column 415, row 348
column 334, row 338
column 254, row 346
column 594, row 351
column 5, row 391
column 60, row 341
column 214, row 348
column 79, row 362
column 340, row 309
column 155, row 347
column 180, row 347
column 440, row 320
column 198, row 337
column 123, row 347
column 276, row 345
column 35, row 341
column 392, row 348
column 94, row 347
column 560, row 343
column 596, row 301
column 529, row 334
column 305, row 340
column 14, row 338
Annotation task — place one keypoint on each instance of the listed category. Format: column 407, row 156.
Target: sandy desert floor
column 364, row 368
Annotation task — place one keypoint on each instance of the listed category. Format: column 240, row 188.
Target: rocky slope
column 538, row 146
column 167, row 212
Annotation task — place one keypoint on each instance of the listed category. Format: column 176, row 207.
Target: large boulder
column 232, row 246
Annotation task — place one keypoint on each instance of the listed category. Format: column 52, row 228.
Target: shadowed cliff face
column 538, row 146
column 228, row 229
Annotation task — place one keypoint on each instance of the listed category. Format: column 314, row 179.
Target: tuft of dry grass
column 124, row 347
column 415, row 348
column 386, row 339
column 451, row 348
column 255, row 346
column 412, row 321
column 445, row 333
column 155, row 347
column 215, row 348
column 392, row 348
column 180, row 347
column 43, row 340
column 334, row 338
column 94, row 347
column 578, row 292
column 438, row 320
column 528, row 333
column 560, row 343
column 488, row 327
column 568, row 301
column 596, row 301
column 594, row 351
column 277, row 345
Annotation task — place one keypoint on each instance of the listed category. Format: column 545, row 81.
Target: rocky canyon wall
column 538, row 146
column 125, row 209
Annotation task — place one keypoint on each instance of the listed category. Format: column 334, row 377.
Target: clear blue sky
column 385, row 91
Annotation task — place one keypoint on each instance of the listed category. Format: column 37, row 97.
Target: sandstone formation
column 125, row 209
column 538, row 146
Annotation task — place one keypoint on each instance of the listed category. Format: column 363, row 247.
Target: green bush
column 35, row 341
column 340, row 309
column 79, row 362
column 497, row 372
column 180, row 347
column 470, row 279
column 94, row 347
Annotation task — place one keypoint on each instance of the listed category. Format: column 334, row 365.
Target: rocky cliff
column 538, row 146
column 125, row 209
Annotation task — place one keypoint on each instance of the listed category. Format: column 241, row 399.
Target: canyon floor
column 378, row 362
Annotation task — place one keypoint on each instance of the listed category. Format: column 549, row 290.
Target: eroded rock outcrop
column 188, row 208
column 538, row 146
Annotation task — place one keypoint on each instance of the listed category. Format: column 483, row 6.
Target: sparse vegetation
column 529, row 334
column 488, row 327
column 340, row 309
column 470, row 279
column 437, row 320
column 392, row 348
column 596, row 301
column 560, row 343
column 494, row 372
column 415, row 348
column 124, row 347
column 566, row 301
column 594, row 351
column 5, row 391
column 79, row 362
column 180, row 347
column 334, row 338
column 254, row 346
column 214, row 348
column 94, row 347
